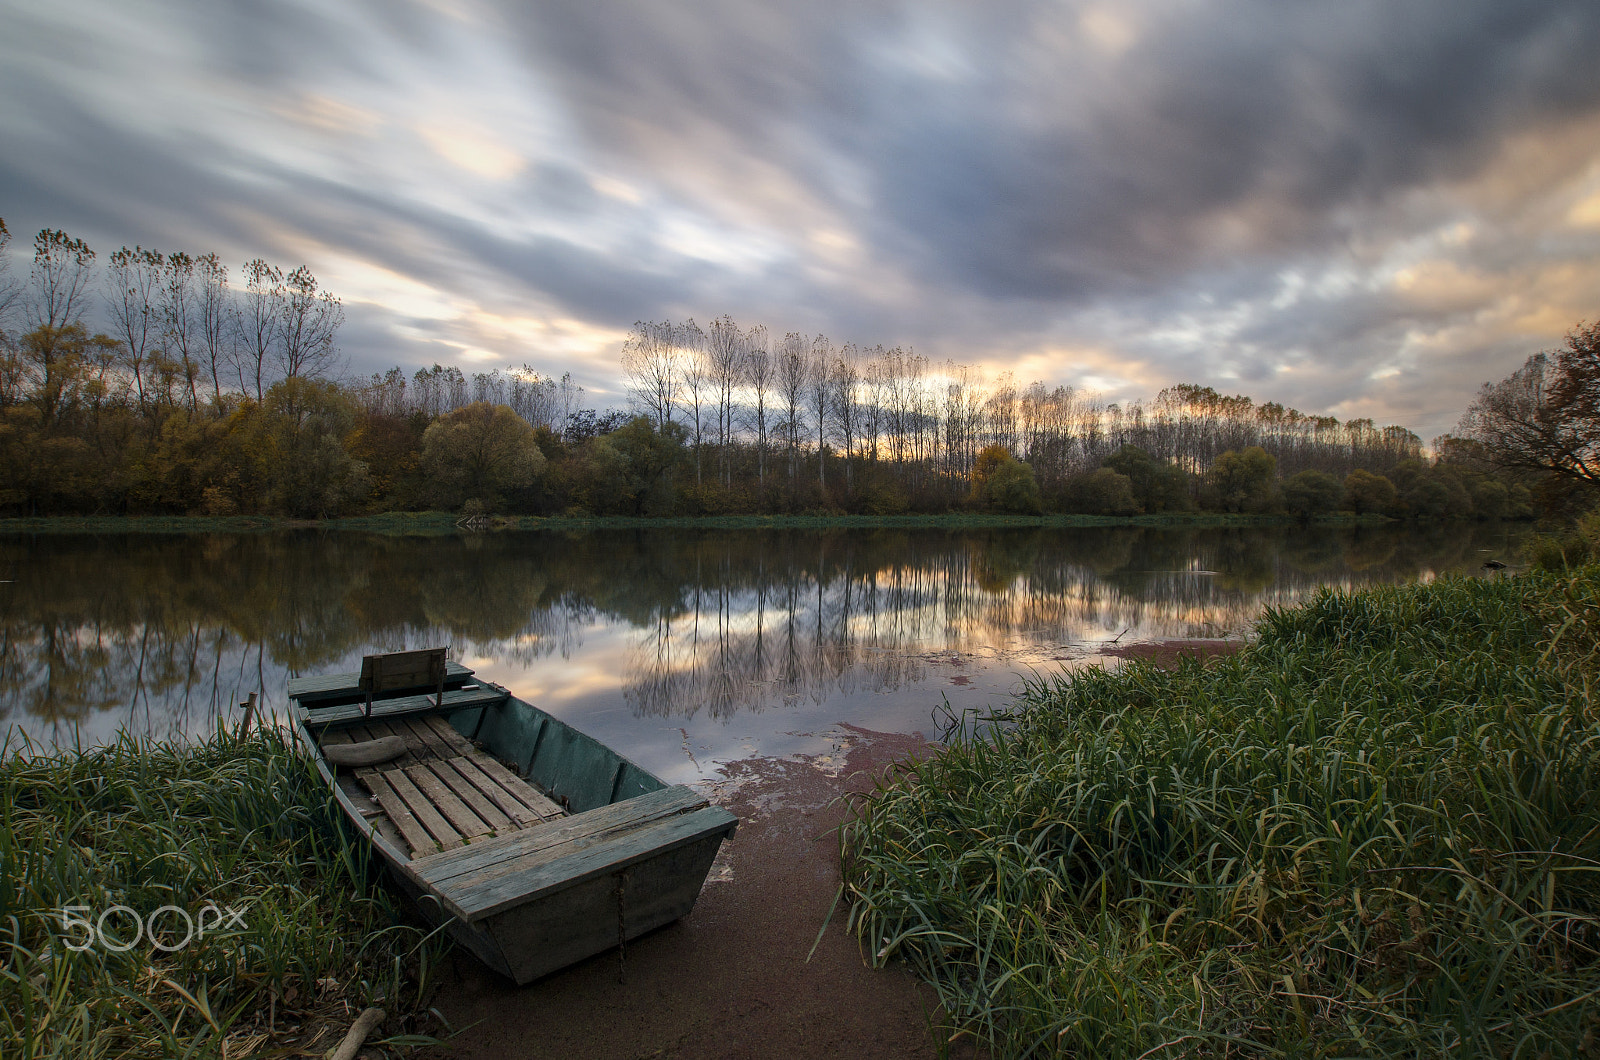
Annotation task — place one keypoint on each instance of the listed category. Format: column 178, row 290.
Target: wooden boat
column 537, row 845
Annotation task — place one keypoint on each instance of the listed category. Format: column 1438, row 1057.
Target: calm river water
column 682, row 649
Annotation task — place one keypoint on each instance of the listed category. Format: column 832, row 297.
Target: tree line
column 202, row 395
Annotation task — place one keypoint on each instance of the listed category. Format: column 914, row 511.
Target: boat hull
column 531, row 902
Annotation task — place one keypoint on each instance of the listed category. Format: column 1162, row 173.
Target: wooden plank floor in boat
column 443, row 793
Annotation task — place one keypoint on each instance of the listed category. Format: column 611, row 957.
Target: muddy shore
column 1168, row 652
column 731, row 979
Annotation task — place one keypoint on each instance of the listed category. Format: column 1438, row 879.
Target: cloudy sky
column 1357, row 208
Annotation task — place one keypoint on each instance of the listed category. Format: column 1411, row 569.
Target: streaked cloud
column 1364, row 209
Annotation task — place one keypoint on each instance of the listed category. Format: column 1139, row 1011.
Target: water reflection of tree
column 172, row 630
column 864, row 611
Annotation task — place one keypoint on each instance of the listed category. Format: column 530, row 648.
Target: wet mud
column 731, row 980
column 1168, row 652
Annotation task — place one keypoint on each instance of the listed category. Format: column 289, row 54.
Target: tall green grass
column 1375, row 831
column 243, row 824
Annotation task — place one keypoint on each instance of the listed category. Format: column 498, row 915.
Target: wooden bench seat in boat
column 454, row 699
column 320, row 687
column 442, row 793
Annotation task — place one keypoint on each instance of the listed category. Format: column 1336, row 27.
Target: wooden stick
column 366, row 753
column 249, row 714
column 364, row 1025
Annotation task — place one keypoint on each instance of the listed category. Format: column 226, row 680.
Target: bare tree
column 875, row 378
column 10, row 286
column 311, row 319
column 1000, row 413
column 571, row 398
column 819, row 394
column 534, row 397
column 725, row 358
column 135, row 306
column 791, row 382
column 455, row 388
column 650, row 360
column 901, row 391
column 260, row 324
column 178, row 318
column 696, row 385
column 846, row 378
column 426, row 391
column 488, row 388
column 62, row 267
column 11, row 369
column 53, row 356
column 963, row 404
column 386, row 394
column 760, row 372
column 217, row 318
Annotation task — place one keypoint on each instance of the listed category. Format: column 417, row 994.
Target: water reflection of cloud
column 721, row 635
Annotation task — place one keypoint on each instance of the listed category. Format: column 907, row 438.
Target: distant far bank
column 436, row 523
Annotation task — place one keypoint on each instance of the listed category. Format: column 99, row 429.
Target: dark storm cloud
column 1283, row 112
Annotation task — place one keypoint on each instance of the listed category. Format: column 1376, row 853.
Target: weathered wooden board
column 491, row 854
column 468, row 824
column 423, row 810
column 414, row 744
column 332, row 686
column 397, row 671
column 522, row 868
column 454, row 699
column 535, row 938
column 509, row 804
column 446, row 770
column 371, row 812
column 431, row 744
column 416, row 838
column 474, row 900
column 514, row 734
column 516, row 787
column 452, row 739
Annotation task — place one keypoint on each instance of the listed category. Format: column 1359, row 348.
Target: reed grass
column 1375, row 831
column 242, row 824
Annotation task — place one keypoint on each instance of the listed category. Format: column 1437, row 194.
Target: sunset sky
column 1356, row 208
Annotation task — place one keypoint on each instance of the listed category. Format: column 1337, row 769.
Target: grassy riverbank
column 1375, row 831
column 433, row 523
column 210, row 830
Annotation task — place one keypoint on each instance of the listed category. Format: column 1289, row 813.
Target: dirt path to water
column 731, row 979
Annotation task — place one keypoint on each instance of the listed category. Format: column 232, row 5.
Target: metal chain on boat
column 622, row 932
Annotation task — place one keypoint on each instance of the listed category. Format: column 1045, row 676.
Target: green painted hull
column 631, row 856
